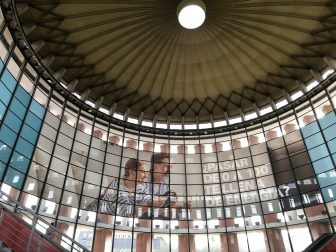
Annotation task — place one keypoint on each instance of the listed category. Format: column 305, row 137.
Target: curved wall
column 268, row 187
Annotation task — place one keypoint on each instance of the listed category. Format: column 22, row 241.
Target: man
column 120, row 196
column 158, row 193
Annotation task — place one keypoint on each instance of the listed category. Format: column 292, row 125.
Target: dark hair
column 158, row 158
column 132, row 164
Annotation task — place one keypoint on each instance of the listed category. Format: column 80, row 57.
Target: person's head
column 160, row 166
column 135, row 170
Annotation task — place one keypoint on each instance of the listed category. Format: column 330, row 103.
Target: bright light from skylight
column 118, row 116
column 63, row 85
column 105, row 111
column 281, row 104
column 204, row 125
column 235, row 120
column 175, row 126
column 77, row 95
column 190, row 126
column 296, row 95
column 220, row 123
column 132, row 120
column 311, row 85
column 266, row 110
column 327, row 73
column 147, row 123
column 250, row 116
column 161, row 125
column 90, row 103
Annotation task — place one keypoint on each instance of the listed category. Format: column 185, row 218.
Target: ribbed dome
column 136, row 55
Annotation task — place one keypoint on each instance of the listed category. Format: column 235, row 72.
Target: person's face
column 162, row 169
column 141, row 174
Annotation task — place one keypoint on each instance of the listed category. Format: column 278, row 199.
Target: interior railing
column 29, row 231
column 319, row 243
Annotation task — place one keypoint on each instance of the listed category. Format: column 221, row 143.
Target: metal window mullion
column 258, row 191
column 205, row 203
column 85, row 171
column 67, row 168
column 240, row 197
column 101, row 184
column 279, row 197
column 221, row 190
column 119, row 177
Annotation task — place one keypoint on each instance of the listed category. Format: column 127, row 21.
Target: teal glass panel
column 5, row 152
column 2, row 169
column 310, row 129
column 334, row 157
column 13, row 122
column 14, row 178
column 37, row 109
column 318, row 152
column 314, row 140
column 22, row 95
column 29, row 134
column 328, row 120
column 2, row 110
column 330, row 133
column 33, row 121
column 7, row 135
column 327, row 178
column 329, row 193
column 332, row 145
column 24, row 147
column 323, row 165
column 1, row 64
column 5, row 94
column 9, row 80
column 17, row 108
column 20, row 162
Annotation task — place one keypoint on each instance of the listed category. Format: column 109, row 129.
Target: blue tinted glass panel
column 13, row 122
column 14, row 178
column 1, row 64
column 318, row 152
column 20, row 162
column 327, row 178
column 334, row 157
column 5, row 94
column 327, row 120
column 2, row 169
column 329, row 193
column 314, row 140
column 7, row 136
column 310, row 129
column 5, row 152
column 323, row 165
column 24, row 147
column 2, row 110
column 17, row 108
column 37, row 109
column 330, row 133
column 9, row 80
column 332, row 145
column 33, row 121
column 29, row 134
column 22, row 95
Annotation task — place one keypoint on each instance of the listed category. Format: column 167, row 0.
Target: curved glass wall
column 268, row 187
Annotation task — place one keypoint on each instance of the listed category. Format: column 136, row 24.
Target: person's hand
column 189, row 204
column 158, row 201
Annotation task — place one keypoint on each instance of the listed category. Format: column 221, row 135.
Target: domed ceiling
column 133, row 56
